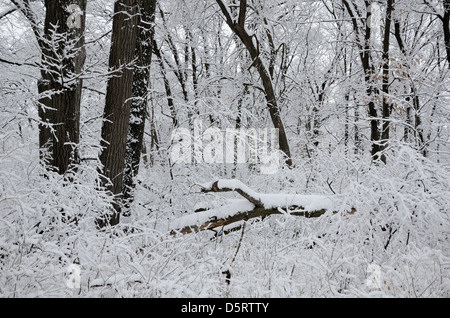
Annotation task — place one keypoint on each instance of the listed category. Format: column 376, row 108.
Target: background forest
column 92, row 92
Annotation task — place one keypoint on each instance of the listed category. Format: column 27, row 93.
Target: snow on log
column 253, row 205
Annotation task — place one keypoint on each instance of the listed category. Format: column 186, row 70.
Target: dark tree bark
column 179, row 70
column 238, row 27
column 385, row 85
column 141, row 77
column 446, row 25
column 62, row 55
column 167, row 88
column 118, row 102
column 363, row 35
column 412, row 128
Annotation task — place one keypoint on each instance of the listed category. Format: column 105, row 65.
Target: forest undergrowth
column 400, row 228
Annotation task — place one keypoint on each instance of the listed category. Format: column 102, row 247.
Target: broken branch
column 255, row 205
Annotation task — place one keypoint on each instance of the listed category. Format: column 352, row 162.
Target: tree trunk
column 366, row 61
column 141, row 77
column 413, row 98
column 272, row 105
column 63, row 56
column 385, row 85
column 446, row 25
column 116, row 115
column 169, row 96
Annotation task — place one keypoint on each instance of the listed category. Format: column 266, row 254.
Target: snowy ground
column 396, row 245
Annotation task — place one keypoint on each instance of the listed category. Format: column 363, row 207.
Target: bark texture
column 63, row 55
column 116, row 115
column 139, row 103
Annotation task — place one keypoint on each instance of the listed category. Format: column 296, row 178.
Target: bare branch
column 4, row 14
column 225, row 12
column 242, row 12
column 28, row 13
column 242, row 189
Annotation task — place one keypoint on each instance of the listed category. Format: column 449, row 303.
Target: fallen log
column 253, row 205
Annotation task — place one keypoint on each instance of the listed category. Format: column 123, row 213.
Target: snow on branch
column 233, row 185
column 253, row 205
